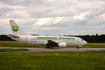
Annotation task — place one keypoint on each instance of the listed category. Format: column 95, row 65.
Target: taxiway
column 55, row 49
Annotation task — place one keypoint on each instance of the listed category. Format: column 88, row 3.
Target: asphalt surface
column 55, row 49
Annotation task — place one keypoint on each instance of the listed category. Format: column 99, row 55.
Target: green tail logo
column 15, row 28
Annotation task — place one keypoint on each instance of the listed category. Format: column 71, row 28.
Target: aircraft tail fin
column 15, row 29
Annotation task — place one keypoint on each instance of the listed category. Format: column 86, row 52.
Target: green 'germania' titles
column 66, row 38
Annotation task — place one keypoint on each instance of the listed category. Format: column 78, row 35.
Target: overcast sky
column 54, row 17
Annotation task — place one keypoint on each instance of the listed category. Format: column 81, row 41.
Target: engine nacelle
column 62, row 45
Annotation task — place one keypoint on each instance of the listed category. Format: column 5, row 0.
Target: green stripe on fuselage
column 66, row 38
column 69, row 38
column 46, row 37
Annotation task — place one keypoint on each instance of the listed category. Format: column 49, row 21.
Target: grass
column 90, row 60
column 52, row 61
column 19, row 44
column 97, row 51
column 12, row 50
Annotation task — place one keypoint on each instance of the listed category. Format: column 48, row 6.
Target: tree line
column 5, row 38
column 89, row 38
column 93, row 38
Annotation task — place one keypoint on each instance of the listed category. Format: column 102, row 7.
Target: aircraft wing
column 52, row 43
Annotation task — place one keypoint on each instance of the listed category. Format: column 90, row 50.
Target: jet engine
column 61, row 44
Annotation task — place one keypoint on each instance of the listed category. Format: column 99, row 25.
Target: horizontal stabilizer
column 13, row 36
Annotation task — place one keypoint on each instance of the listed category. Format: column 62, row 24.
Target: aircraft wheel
column 47, row 46
column 77, row 47
column 50, row 47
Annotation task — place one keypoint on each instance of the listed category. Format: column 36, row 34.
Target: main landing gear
column 49, row 46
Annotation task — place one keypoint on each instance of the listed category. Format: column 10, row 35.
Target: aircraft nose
column 85, row 42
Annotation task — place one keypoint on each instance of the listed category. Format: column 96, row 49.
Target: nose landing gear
column 77, row 47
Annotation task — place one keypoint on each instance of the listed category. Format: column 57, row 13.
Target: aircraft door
column 77, row 40
column 26, row 39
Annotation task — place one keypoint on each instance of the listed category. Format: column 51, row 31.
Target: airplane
column 49, row 41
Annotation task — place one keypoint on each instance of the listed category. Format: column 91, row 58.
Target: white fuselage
column 43, row 40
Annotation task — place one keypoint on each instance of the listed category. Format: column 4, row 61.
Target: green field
column 99, row 52
column 52, row 61
column 19, row 44
column 89, row 60
column 16, row 44
column 12, row 50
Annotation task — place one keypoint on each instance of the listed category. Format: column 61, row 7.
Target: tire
column 77, row 47
column 50, row 47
